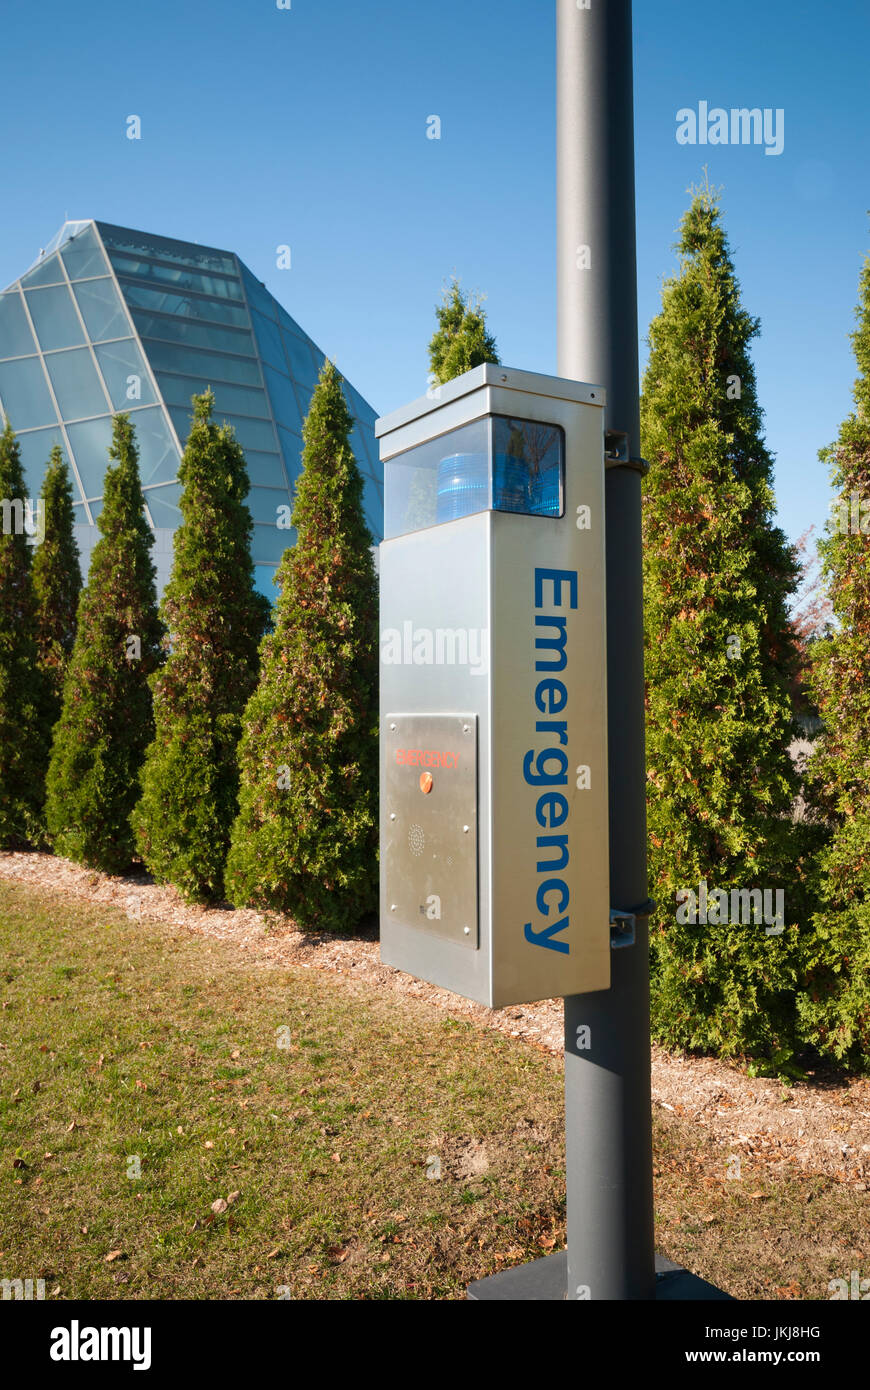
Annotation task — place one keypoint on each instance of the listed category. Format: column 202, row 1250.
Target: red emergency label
column 426, row 757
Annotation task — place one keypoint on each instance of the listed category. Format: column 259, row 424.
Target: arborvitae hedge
column 57, row 579
column 106, row 720
column 305, row 840
column 836, row 1006
column 25, row 714
column 216, row 620
column 720, row 657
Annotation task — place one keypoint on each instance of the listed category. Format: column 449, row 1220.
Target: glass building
column 110, row 319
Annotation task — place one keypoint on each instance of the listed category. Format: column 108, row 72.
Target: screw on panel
column 392, row 907
column 467, row 931
column 392, row 815
column 465, row 829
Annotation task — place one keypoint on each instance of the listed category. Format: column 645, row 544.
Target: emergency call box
column 493, row 702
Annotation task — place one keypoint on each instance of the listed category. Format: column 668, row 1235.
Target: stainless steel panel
column 500, row 589
column 430, row 824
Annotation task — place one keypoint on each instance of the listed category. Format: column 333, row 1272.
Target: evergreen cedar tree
column 305, row 840
column 217, row 619
column 106, row 718
column 836, row 1002
column 461, row 340
column 721, row 783
column 25, row 707
column 57, row 579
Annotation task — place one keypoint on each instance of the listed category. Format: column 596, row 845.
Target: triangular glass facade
column 113, row 319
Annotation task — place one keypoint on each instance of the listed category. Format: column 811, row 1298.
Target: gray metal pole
column 607, row 1086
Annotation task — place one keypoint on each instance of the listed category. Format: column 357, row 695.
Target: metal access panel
column 430, row 810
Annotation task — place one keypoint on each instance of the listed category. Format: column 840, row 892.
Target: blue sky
column 263, row 127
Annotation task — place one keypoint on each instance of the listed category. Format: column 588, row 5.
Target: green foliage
column 836, row 1007
column 57, row 579
column 720, row 659
column 25, row 714
column 106, row 719
column 305, row 840
column 461, row 340
column 216, row 618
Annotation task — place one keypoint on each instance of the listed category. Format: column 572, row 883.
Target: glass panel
column 300, row 360
column 429, row 484
column 359, row 450
column 24, row 394
column 369, row 453
column 182, row 420
column 269, row 339
column 287, row 322
column 304, row 400
column 264, row 576
column 373, row 507
column 252, row 434
column 291, row 448
column 82, row 255
column 183, row 305
column 76, row 384
column 319, row 360
column 176, row 275
column 166, row 357
column 35, row 448
column 166, row 248
column 48, row 272
column 264, row 470
column 284, row 403
column 158, row 454
column 269, row 543
column 177, row 390
column 528, row 463
column 505, row 464
column 90, row 442
column 16, row 339
column 54, row 317
column 102, row 310
column 258, row 296
column 264, row 503
column 181, row 330
column 162, row 502
column 125, row 373
column 360, row 408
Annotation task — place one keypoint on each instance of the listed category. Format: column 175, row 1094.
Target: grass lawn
column 147, row 1074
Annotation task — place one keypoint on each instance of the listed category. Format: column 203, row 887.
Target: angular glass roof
column 109, row 319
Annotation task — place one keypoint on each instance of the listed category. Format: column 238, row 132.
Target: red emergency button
column 427, row 782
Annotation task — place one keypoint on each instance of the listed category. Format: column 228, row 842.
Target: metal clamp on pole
column 618, row 455
column 623, row 924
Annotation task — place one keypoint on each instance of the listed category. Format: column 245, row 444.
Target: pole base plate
column 546, row 1279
